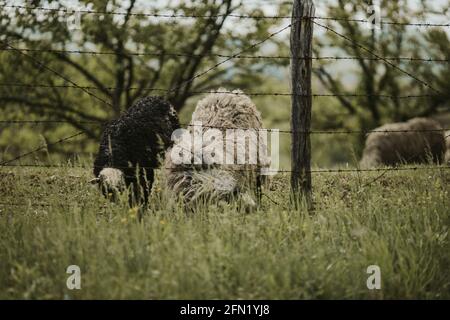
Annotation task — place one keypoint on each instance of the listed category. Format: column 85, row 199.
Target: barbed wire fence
column 89, row 90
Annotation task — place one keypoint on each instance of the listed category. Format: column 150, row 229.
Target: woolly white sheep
column 220, row 172
column 415, row 141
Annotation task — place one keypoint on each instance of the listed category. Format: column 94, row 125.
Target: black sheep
column 131, row 145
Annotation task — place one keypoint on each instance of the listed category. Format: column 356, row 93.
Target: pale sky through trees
column 240, row 26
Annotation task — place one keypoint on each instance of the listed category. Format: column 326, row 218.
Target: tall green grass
column 400, row 223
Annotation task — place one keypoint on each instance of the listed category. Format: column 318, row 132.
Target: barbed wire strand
column 321, row 171
column 385, row 172
column 327, row 132
column 257, row 57
column 42, row 65
column 104, row 101
column 275, row 94
column 268, row 170
column 322, row 131
column 203, row 16
column 195, row 77
column 176, row 88
column 377, row 56
column 13, row 204
column 184, row 84
column 50, row 122
column 41, row 148
column 358, row 170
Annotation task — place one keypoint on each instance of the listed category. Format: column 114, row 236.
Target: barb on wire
column 145, row 14
column 215, row 16
column 417, row 168
column 38, row 204
column 275, row 94
column 394, row 23
column 23, row 204
column 379, row 57
column 184, row 84
column 40, row 64
column 384, row 172
column 325, row 132
column 37, row 165
column 168, row 91
column 41, row 148
column 280, row 171
column 410, row 59
column 48, row 122
column 257, row 57
column 321, row 171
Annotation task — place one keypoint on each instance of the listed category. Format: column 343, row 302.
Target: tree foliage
column 373, row 78
column 173, row 51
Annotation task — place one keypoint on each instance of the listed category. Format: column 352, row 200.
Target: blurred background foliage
column 174, row 50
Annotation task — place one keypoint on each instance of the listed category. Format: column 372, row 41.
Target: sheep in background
column 419, row 140
column 447, row 142
column 215, row 182
column 130, row 147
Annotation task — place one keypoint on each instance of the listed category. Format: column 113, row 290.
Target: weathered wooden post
column 301, row 65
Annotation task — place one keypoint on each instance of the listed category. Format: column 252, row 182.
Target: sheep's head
column 111, row 181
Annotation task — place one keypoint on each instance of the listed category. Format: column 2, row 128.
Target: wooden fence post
column 301, row 65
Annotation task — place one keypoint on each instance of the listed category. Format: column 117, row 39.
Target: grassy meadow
column 51, row 218
column 57, row 79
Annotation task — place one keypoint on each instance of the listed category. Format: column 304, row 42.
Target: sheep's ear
column 94, row 181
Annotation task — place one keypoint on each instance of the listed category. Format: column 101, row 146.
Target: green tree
column 374, row 78
column 174, row 51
